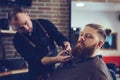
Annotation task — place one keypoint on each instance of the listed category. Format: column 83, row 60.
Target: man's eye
column 81, row 34
column 25, row 23
column 88, row 36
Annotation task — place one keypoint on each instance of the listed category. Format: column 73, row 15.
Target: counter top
column 7, row 32
column 11, row 72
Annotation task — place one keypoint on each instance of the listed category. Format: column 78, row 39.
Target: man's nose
column 81, row 38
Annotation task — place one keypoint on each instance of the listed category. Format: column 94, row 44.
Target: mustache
column 80, row 43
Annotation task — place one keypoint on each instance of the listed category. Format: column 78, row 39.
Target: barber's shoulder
column 42, row 20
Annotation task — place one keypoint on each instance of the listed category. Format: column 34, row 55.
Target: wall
column 57, row 11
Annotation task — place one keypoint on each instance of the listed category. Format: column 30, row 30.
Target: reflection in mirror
column 106, row 14
column 111, row 42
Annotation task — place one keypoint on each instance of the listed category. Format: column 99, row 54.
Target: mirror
column 106, row 14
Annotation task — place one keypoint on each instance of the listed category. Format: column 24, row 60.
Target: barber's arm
column 59, row 58
column 56, row 35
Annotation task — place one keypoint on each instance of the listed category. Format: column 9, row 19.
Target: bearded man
column 86, row 64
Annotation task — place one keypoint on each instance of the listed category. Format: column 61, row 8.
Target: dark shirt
column 33, row 55
column 90, row 69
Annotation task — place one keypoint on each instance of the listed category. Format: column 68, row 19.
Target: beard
column 81, row 51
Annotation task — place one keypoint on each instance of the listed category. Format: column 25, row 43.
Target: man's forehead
column 15, row 22
column 19, row 17
column 89, row 29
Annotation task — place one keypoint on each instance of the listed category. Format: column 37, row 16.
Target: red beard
column 81, row 51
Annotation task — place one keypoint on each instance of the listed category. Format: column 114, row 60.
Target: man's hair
column 100, row 29
column 14, row 12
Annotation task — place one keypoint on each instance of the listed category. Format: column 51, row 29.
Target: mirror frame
column 114, row 43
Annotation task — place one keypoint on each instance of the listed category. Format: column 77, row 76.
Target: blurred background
column 69, row 16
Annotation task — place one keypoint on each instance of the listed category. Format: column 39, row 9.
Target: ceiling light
column 80, row 4
column 74, row 29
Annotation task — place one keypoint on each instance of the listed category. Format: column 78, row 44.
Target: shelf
column 11, row 72
column 7, row 32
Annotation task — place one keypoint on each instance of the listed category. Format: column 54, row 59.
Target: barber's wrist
column 56, row 59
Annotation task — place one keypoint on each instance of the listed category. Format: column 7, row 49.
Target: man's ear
column 100, row 43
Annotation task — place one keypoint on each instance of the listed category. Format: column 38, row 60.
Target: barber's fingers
column 67, row 58
column 62, row 52
column 67, row 46
column 64, row 58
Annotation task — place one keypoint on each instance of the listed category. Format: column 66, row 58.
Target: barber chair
column 113, row 69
